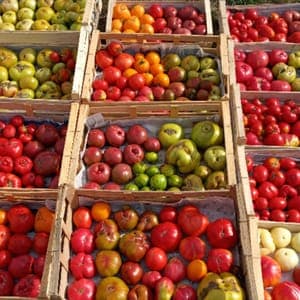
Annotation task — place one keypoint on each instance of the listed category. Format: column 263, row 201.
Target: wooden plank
column 223, row 23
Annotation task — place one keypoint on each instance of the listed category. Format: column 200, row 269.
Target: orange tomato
column 121, row 11
column 116, row 24
column 146, row 28
column 82, row 217
column 161, row 79
column 156, row 69
column 153, row 57
column 148, row 78
column 3, row 217
column 100, row 211
column 129, row 72
column 267, row 295
column 43, row 220
column 142, row 65
column 196, row 270
column 138, row 56
column 132, row 23
column 147, row 19
column 138, row 10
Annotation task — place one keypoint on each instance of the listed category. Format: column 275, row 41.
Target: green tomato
column 215, row 157
column 28, row 54
column 71, row 16
column 25, row 13
column 141, row 180
column 151, row 157
column 190, row 62
column 294, row 59
column 170, row 60
column 3, row 74
column 202, row 171
column 278, row 68
column 215, row 180
column 57, row 67
column 48, row 90
column 208, row 63
column 28, row 3
column 152, row 170
column 29, row 82
column 7, row 27
column 169, row 134
column 43, row 58
column 21, row 69
column 131, row 187
column 40, row 24
column 43, row 74
column 59, row 17
column 24, row 24
column 210, row 75
column 145, row 189
column 59, row 5
column 44, row 13
column 9, row 16
column 192, row 74
column 25, row 93
column 289, row 74
column 58, row 27
column 45, row 3
column 167, row 169
column 174, row 189
column 192, row 183
column 139, row 168
column 158, row 182
column 175, row 181
column 75, row 26
column 296, row 84
column 7, row 58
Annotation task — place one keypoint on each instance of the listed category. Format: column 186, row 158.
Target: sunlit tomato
column 103, row 59
column 277, row 203
column 136, row 81
column 156, row 259
column 20, row 218
column 4, row 236
column 267, row 190
column 167, row 213
column 277, row 215
column 271, row 271
column 111, row 74
column 219, row 260
column 277, row 177
column 82, row 217
column 100, row 211
column 286, row 290
column 124, row 61
column 260, row 203
column 260, row 173
column 192, row 247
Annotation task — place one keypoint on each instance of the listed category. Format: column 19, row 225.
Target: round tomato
column 21, row 265
column 6, row 164
column 20, row 218
column 277, row 215
column 19, row 243
column 219, row 260
column 82, row 241
column 82, row 266
column 111, row 74
column 287, row 163
column 131, row 272
column 4, row 236
column 82, row 217
column 221, row 234
column 286, row 290
column 156, row 259
column 192, row 247
column 260, row 173
column 28, row 286
column 40, row 242
column 103, row 59
column 268, row 190
column 82, row 289
column 167, row 213
column 23, row 165
column 136, row 81
column 277, row 203
column 5, row 258
column 166, row 236
column 124, row 61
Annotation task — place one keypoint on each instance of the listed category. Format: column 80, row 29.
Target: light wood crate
column 33, row 200
column 72, row 199
column 201, row 5
column 78, row 40
column 210, row 44
column 201, row 111
column 46, row 111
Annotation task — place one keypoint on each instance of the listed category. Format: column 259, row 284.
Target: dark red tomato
column 14, row 148
column 294, row 203
column 260, row 173
column 111, row 74
column 293, row 215
column 192, row 247
column 17, row 121
column 82, row 289
column 82, row 266
column 254, row 193
column 23, row 165
column 25, row 137
column 268, row 190
column 252, row 182
column 103, row 59
column 19, row 244
column 31, row 128
column 28, row 286
column 221, row 234
column 219, row 260
column 4, row 236
column 292, row 177
column 264, row 215
column 6, row 283
column 9, row 131
column 136, row 81
column 167, row 213
column 156, row 259
column 277, row 215
column 6, row 164
column 156, row 11
column 272, row 163
column 261, row 203
column 287, row 191
column 82, row 217
column 38, row 265
column 20, row 218
column 277, row 203
column 166, row 236
column 277, row 177
column 5, row 258
column 21, row 265
column 40, row 242
column 3, row 146
column 131, row 272
column 251, row 14
column 28, row 179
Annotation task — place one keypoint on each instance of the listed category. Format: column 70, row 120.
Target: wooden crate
column 78, row 40
column 92, row 13
column 210, row 44
column 33, row 200
column 263, row 9
column 42, row 111
column 202, row 5
column 61, row 251
column 207, row 110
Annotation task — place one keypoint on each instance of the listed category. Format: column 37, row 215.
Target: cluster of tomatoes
column 30, row 153
column 139, row 253
column 24, row 236
column 274, row 185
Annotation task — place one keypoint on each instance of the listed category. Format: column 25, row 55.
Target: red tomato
column 11, row 180
column 136, row 81
column 82, row 289
column 277, row 203
column 4, row 236
column 260, row 173
column 14, row 148
column 192, row 247
column 272, row 163
column 19, row 243
column 293, row 177
column 293, row 215
column 219, row 260
column 254, row 192
column 167, row 213
column 38, row 265
column 277, row 215
column 114, row 48
column 6, row 283
column 113, row 93
column 221, row 234
column 17, row 121
column 82, row 266
column 166, row 236
column 82, row 241
column 131, row 272
column 21, row 265
column 249, row 162
column 82, row 217
column 103, row 59
column 277, row 177
column 156, row 259
column 271, row 271
column 28, row 286
column 287, row 191
column 23, row 165
column 268, row 190
column 264, row 214
column 6, row 164
column 111, row 74
column 20, row 218
column 5, row 258
column 261, row 203
column 286, row 290
column 40, row 242
column 124, row 61
column 9, row 131
column 156, row 11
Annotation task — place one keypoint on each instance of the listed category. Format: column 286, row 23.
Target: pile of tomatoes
column 24, row 236
column 138, row 250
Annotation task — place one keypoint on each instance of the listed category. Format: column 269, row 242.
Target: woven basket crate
column 210, row 44
column 61, row 250
column 202, row 5
column 199, row 111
